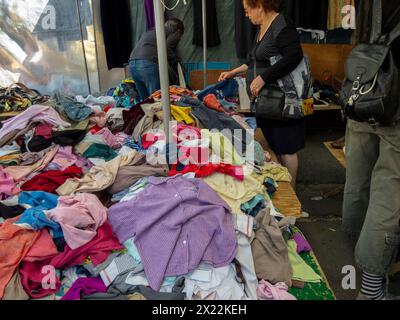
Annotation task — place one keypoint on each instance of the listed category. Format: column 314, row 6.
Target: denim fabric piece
column 228, row 106
column 252, row 122
column 216, row 120
column 228, row 88
column 75, row 111
column 130, row 142
column 186, row 101
column 146, row 76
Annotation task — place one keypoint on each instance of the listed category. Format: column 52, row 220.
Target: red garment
column 212, row 102
column 195, row 155
column 107, row 108
column 31, row 271
column 95, row 129
column 98, row 250
column 49, row 181
column 32, row 275
column 148, row 139
column 209, row 169
column 183, row 132
column 44, row 130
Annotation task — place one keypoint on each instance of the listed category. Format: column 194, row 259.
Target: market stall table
column 337, row 153
column 287, row 202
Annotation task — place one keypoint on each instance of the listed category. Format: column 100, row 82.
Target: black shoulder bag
column 370, row 91
column 270, row 102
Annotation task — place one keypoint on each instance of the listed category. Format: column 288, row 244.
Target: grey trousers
column 371, row 207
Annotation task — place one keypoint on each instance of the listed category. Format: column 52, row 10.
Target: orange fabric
column 15, row 243
column 173, row 91
column 43, row 248
column 212, row 102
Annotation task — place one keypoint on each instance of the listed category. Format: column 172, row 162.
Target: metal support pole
column 163, row 67
column 78, row 10
column 204, row 16
column 95, row 26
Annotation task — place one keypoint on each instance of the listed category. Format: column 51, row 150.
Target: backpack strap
column 395, row 33
column 376, row 31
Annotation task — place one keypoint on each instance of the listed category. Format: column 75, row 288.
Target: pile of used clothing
column 18, row 97
column 78, row 211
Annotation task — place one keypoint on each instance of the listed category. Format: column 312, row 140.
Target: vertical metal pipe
column 204, row 17
column 163, row 66
column 95, row 28
column 78, row 10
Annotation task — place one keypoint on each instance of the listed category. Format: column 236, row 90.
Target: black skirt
column 284, row 137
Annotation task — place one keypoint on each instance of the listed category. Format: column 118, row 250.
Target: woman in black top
column 275, row 37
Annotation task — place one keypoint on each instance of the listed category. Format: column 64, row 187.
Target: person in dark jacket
column 143, row 61
column 276, row 36
column 371, row 206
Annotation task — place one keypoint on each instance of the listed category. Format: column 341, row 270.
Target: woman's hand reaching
column 226, row 75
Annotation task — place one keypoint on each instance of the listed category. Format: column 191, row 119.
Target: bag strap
column 395, row 33
column 376, row 31
column 254, row 54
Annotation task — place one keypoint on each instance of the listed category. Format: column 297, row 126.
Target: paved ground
column 318, row 173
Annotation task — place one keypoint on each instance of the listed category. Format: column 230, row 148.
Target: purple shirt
column 177, row 223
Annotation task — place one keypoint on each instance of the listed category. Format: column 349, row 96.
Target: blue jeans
column 146, row 76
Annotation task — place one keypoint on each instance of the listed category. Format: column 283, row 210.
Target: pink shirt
column 79, row 217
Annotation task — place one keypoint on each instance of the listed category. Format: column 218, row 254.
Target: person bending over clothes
column 143, row 61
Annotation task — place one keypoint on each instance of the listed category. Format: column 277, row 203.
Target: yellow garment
column 182, row 114
column 99, row 177
column 222, row 148
column 235, row 192
column 275, row 171
column 10, row 158
column 301, row 270
column 308, row 106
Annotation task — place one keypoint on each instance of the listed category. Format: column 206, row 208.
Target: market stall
column 82, row 199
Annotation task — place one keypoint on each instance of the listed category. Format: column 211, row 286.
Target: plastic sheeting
column 47, row 54
column 41, row 45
